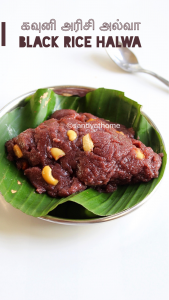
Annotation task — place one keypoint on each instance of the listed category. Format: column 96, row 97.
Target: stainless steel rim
column 18, row 102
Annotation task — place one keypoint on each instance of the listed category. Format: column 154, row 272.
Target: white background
column 122, row 259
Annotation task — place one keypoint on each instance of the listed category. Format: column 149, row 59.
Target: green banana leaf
column 109, row 104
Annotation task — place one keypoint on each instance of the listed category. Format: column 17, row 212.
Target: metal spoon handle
column 155, row 75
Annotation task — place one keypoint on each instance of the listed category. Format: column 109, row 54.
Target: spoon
column 127, row 61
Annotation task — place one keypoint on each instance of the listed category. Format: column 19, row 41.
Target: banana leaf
column 109, row 104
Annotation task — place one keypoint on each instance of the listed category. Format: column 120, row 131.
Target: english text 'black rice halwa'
column 72, row 151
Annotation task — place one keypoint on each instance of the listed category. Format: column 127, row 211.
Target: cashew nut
column 91, row 120
column 139, row 154
column 72, row 135
column 47, row 176
column 17, row 151
column 87, row 143
column 66, row 94
column 57, row 153
column 120, row 132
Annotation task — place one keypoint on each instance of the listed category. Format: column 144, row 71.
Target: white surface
column 125, row 258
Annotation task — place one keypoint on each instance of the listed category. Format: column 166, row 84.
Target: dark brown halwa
column 91, row 154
